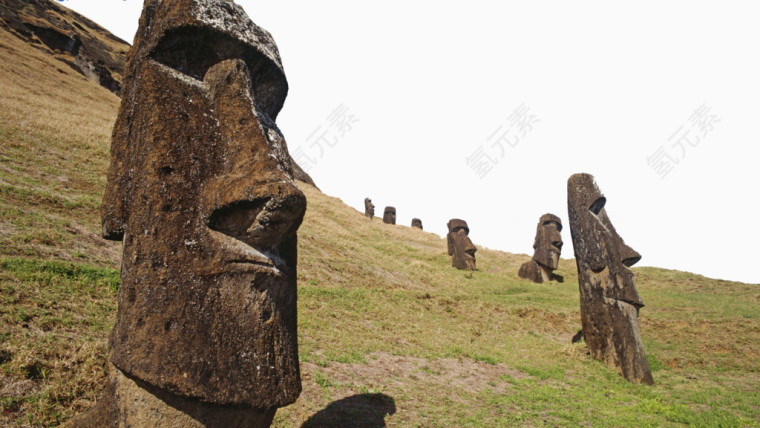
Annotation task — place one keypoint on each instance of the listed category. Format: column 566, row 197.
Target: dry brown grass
column 55, row 129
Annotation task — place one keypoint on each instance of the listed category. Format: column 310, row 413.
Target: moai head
column 200, row 189
column 417, row 223
column 547, row 246
column 609, row 301
column 389, row 215
column 548, row 242
column 460, row 247
column 369, row 208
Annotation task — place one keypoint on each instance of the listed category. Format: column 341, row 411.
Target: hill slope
column 71, row 38
column 388, row 331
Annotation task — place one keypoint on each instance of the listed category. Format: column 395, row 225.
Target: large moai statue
column 200, row 190
column 547, row 247
column 389, row 215
column 417, row 223
column 609, row 301
column 460, row 247
column 369, row 208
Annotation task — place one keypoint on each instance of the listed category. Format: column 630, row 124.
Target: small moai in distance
column 547, row 248
column 389, row 215
column 369, row 208
column 460, row 248
column 610, row 302
column 200, row 189
column 417, row 223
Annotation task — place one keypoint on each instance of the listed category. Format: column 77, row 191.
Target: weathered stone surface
column 200, row 189
column 369, row 208
column 460, row 247
column 389, row 215
column 417, row 223
column 547, row 248
column 609, row 301
column 300, row 174
column 129, row 402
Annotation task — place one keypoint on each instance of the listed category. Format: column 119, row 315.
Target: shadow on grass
column 362, row 410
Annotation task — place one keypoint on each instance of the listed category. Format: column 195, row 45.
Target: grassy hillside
column 54, row 141
column 77, row 42
column 388, row 331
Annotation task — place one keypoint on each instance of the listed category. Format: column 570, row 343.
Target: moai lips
column 389, row 215
column 609, row 301
column 369, row 208
column 460, row 248
column 547, row 249
column 201, row 191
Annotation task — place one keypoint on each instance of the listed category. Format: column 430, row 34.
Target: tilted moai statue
column 460, row 247
column 200, row 189
column 417, row 223
column 547, row 248
column 369, row 208
column 609, row 301
column 389, row 215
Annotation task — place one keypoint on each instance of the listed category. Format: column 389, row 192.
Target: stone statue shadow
column 361, row 410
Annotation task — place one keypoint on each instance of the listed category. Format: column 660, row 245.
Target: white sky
column 429, row 82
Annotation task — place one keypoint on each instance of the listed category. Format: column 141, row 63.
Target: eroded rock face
column 417, row 223
column 389, row 215
column 201, row 191
column 547, row 248
column 609, row 301
column 369, row 208
column 460, row 248
column 71, row 38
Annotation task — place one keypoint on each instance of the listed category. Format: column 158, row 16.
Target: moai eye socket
column 192, row 51
column 598, row 204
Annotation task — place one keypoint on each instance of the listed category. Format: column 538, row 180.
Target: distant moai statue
column 417, row 223
column 369, row 208
column 389, row 215
column 200, row 189
column 460, row 248
column 547, row 247
column 610, row 302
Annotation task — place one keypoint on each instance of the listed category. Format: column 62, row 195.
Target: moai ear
column 114, row 209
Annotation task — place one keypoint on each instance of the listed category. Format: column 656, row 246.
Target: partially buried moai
column 369, row 208
column 389, row 215
column 609, row 301
column 547, row 247
column 417, row 223
column 460, row 247
column 200, row 189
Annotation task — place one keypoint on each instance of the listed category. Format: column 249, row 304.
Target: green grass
column 55, row 318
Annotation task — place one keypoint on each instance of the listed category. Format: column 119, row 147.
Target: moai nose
column 262, row 221
column 469, row 248
column 253, row 198
column 629, row 256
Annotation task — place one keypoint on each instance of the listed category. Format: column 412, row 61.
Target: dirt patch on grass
column 400, row 380
column 386, row 369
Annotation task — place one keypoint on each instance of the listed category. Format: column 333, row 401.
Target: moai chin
column 369, row 208
column 417, row 223
column 609, row 301
column 547, row 247
column 460, row 247
column 389, row 215
column 200, row 189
